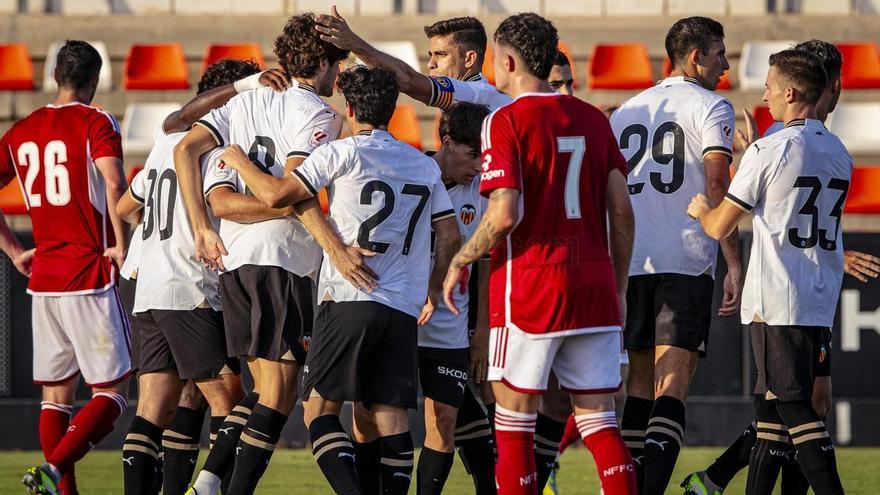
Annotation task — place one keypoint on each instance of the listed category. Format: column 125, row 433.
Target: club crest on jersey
column 318, row 135
column 306, row 341
column 467, row 213
column 823, row 354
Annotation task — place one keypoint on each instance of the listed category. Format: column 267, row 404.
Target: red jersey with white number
column 52, row 152
column 552, row 276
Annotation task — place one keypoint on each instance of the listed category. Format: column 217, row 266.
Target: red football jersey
column 553, row 274
column 52, row 152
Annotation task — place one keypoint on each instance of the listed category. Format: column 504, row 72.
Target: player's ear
column 695, row 57
column 446, row 141
column 510, row 63
column 349, row 110
column 470, row 59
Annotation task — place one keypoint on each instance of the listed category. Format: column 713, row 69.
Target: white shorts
column 86, row 334
column 587, row 363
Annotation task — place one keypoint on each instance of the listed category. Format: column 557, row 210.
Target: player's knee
column 821, row 399
column 444, row 421
column 159, row 413
column 191, row 397
column 556, row 405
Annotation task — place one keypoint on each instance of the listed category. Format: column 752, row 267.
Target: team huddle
column 510, row 275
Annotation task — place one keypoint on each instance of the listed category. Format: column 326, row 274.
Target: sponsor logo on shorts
column 454, row 373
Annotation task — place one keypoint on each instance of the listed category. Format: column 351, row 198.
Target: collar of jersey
column 474, row 77
column 304, row 86
column 796, row 122
column 678, row 79
column 378, row 133
column 52, row 105
column 536, row 94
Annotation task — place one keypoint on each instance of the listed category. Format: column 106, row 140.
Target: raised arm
column 110, row 168
column 621, row 233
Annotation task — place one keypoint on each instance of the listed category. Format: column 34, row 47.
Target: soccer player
column 804, row 171
column 266, row 286
column 561, row 78
column 385, row 196
column 677, row 137
column 549, row 195
column 68, row 159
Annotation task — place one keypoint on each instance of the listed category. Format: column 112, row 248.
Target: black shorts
column 268, row 313
column 668, row 309
column 443, row 374
column 787, row 359
column 192, row 342
column 822, row 364
column 363, row 351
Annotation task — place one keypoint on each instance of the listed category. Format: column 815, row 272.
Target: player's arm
column 621, row 225
column 10, row 245
column 111, row 169
column 334, row 29
column 241, row 208
column 447, row 241
column 274, row 192
column 480, row 340
column 718, row 222
column 128, row 208
column 861, row 265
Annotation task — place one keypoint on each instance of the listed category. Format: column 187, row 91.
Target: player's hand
column 117, row 254
column 479, row 367
column 733, row 285
column 233, row 156
column 453, row 281
column 699, row 206
column 275, row 79
column 334, row 29
column 429, row 308
column 352, row 264
column 23, row 262
column 745, row 139
column 861, row 265
column 210, row 249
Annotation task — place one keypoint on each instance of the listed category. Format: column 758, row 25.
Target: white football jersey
column 774, row 128
column 129, row 268
column 476, row 89
column 446, row 330
column 664, row 132
column 172, row 278
column 271, row 127
column 795, row 183
column 384, row 195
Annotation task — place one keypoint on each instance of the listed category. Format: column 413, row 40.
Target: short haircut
column 78, row 63
column 300, row 48
column 370, row 92
column 467, row 32
column 561, row 59
column 462, row 122
column 828, row 53
column 535, row 40
column 803, row 70
column 226, row 71
column 690, row 33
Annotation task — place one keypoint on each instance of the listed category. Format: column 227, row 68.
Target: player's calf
column 331, row 446
column 475, row 444
column 437, row 455
column 771, row 451
column 815, row 451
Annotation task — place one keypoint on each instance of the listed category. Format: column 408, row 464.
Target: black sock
column 255, row 448
column 216, row 424
column 367, row 457
column 662, row 443
column 433, row 471
column 734, row 459
column 490, row 413
column 474, row 443
column 180, row 449
column 815, row 452
column 636, row 413
column 548, row 434
column 334, row 453
column 397, row 463
column 222, row 456
column 793, row 480
column 140, row 458
column 771, row 450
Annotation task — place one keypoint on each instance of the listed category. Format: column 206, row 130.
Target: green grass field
column 294, row 471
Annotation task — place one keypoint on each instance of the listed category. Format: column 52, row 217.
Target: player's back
column 664, row 132
column 54, row 151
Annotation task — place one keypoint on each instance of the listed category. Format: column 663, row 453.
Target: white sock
column 207, row 483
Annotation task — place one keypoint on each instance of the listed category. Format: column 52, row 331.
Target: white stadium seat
column 754, row 61
column 140, row 122
column 855, row 125
column 581, row 8
column 404, row 50
column 105, row 77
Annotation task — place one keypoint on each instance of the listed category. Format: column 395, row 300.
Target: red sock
column 570, row 436
column 617, row 473
column 515, row 471
column 89, row 426
column 54, row 420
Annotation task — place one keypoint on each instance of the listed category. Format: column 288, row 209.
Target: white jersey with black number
column 664, row 132
column 447, row 330
column 170, row 278
column 795, row 183
column 271, row 127
column 384, row 196
column 475, row 89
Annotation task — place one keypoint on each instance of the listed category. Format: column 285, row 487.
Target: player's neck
column 67, row 95
column 358, row 128
column 798, row 111
column 522, row 84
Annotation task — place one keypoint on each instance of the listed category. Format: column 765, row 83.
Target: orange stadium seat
column 488, row 68
column 861, row 65
column 242, row 51
column 133, row 172
column 11, row 200
column 324, row 201
column 723, row 84
column 624, row 66
column 16, row 68
column 155, row 67
column 762, row 118
column 863, row 187
column 404, row 125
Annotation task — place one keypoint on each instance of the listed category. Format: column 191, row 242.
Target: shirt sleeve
column 717, row 130
column 217, row 123
column 138, row 187
column 750, row 182
column 216, row 174
column 7, row 162
column 323, row 127
column 104, row 136
column 441, row 205
column 445, row 91
column 501, row 166
column 320, row 169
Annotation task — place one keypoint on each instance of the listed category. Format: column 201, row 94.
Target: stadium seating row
column 610, row 66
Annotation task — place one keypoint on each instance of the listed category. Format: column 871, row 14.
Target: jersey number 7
column 363, row 238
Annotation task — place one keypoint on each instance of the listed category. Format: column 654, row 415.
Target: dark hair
column 226, row 71
column 803, row 70
column 462, row 122
column 689, row 33
column 467, row 32
column 77, row 64
column 828, row 53
column 534, row 39
column 371, row 93
column 300, row 48
column 561, row 59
